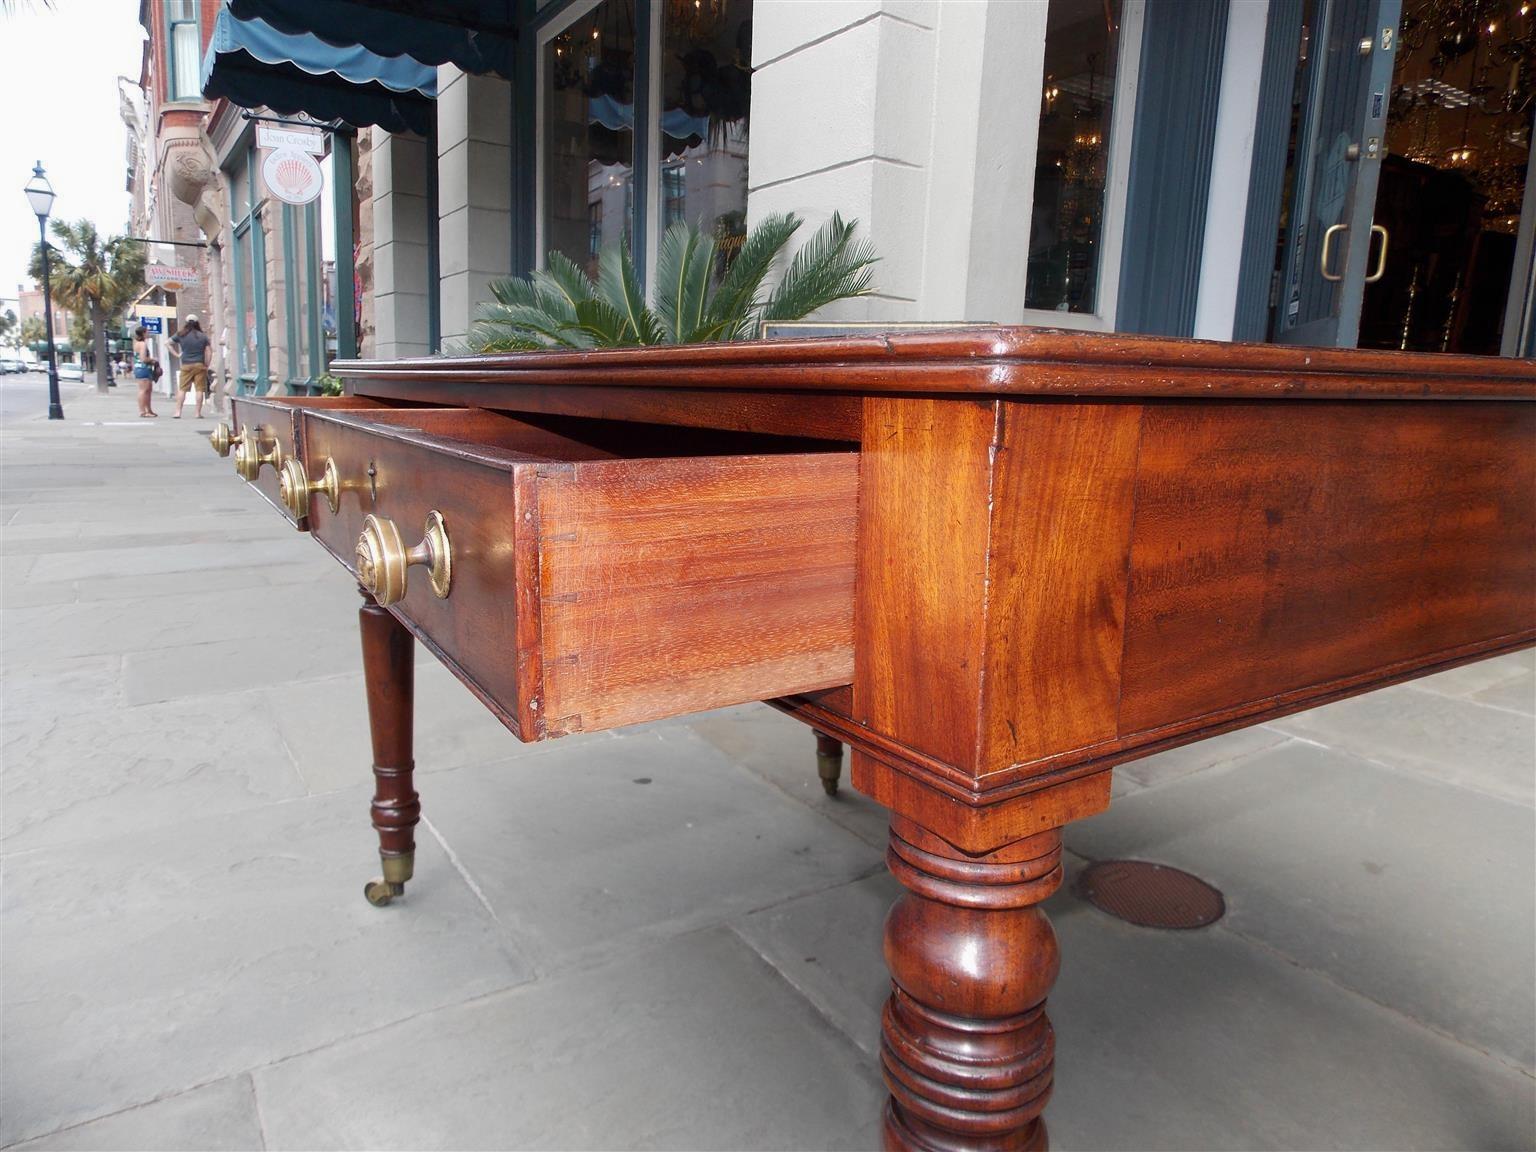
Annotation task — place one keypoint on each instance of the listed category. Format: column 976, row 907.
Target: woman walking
column 144, row 372
column 192, row 346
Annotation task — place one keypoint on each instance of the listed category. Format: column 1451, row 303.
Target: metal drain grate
column 1151, row 895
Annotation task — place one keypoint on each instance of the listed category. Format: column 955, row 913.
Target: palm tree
column 33, row 333
column 560, row 307
column 92, row 277
column 8, row 326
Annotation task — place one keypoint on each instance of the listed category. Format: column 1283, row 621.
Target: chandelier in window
column 696, row 19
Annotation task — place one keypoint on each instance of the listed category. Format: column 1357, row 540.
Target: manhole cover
column 1151, row 895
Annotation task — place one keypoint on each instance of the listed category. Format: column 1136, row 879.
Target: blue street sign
column 154, row 325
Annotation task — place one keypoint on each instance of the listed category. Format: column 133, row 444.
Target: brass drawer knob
column 249, row 456
column 294, row 486
column 382, row 560
column 223, row 438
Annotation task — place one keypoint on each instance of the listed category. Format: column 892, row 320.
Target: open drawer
column 583, row 583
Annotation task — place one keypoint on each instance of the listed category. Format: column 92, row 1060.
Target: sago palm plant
column 560, row 307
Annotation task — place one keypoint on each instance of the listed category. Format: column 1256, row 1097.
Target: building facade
column 1332, row 172
column 265, row 283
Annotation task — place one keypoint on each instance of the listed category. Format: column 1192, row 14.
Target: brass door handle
column 1381, row 257
column 383, row 561
column 294, row 486
column 222, row 438
column 1322, row 260
column 249, row 456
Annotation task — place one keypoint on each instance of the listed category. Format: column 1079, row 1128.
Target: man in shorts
column 192, row 346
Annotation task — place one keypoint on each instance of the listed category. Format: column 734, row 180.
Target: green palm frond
column 528, row 321
column 604, row 325
column 682, row 282
column 831, row 266
column 619, row 285
column 731, row 312
column 565, row 277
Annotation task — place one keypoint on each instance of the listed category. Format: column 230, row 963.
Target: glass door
column 1410, row 223
column 1453, row 186
column 1333, row 246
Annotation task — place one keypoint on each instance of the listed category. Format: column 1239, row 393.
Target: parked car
column 12, row 366
column 71, row 372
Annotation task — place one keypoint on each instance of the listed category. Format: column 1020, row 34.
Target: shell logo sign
column 291, row 175
column 172, row 277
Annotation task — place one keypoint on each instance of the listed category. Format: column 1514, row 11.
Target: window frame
column 1116, row 186
column 172, row 22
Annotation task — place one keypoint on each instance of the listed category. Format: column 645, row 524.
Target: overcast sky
column 58, row 104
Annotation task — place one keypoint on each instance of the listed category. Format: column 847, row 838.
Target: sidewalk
column 666, row 936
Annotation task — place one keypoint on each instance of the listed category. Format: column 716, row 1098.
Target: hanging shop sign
column 153, row 325
column 172, row 276
column 291, row 175
column 310, row 140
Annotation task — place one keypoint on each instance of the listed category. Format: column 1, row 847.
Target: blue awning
column 476, row 35
column 253, row 64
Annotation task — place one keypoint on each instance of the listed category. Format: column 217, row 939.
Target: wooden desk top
column 1009, row 361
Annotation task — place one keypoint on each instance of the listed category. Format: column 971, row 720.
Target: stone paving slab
column 324, row 724
column 141, row 965
column 659, row 834
column 215, row 1117
column 1199, row 1040
column 783, row 752
column 691, row 1043
column 141, row 768
column 1414, row 892
column 268, row 653
column 1460, row 742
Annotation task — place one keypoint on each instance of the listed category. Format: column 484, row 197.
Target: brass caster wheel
column 829, row 763
column 381, row 892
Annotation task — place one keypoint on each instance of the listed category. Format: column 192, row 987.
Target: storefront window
column 588, row 78
column 688, row 144
column 706, row 95
column 1066, row 240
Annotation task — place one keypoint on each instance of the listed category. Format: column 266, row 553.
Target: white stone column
column 474, row 165
column 400, row 286
column 921, row 120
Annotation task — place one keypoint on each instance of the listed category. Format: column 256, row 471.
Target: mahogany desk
column 995, row 562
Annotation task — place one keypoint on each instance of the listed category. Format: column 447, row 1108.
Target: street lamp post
column 40, row 196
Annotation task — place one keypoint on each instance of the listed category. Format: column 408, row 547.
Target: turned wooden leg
column 829, row 762
column 966, row 1047
column 389, row 670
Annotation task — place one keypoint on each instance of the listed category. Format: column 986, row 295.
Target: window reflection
column 1066, row 232
column 706, row 95
column 589, row 140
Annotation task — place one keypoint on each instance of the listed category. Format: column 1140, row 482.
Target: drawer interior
column 607, row 573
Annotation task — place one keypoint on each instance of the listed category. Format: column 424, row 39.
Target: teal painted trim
column 1172, row 146
column 259, row 291
column 315, row 269
column 293, row 290
column 1266, row 180
column 241, row 234
column 342, row 180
